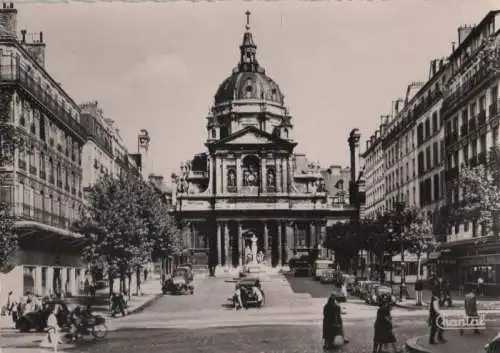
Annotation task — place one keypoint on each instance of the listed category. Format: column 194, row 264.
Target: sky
column 157, row 65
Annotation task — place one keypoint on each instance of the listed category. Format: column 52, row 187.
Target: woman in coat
column 383, row 328
column 332, row 322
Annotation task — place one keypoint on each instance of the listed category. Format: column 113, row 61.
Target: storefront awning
column 38, row 235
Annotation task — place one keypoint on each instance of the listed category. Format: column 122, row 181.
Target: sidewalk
column 469, row 343
column 484, row 303
column 151, row 290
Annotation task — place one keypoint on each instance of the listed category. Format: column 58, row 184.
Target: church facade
column 249, row 184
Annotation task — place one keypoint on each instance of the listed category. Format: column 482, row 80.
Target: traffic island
column 469, row 342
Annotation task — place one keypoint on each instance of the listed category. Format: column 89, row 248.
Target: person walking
column 470, row 305
column 333, row 326
column 383, row 328
column 53, row 328
column 435, row 320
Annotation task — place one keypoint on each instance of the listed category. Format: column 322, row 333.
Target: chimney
column 8, row 20
column 36, row 48
column 463, row 32
column 453, row 46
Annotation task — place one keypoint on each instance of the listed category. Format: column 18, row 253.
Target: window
column 428, row 157
column 427, row 128
column 436, row 187
column 434, row 122
column 436, row 153
column 420, row 134
column 483, row 143
column 420, row 163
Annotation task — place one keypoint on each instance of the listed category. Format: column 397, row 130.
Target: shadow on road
column 306, row 285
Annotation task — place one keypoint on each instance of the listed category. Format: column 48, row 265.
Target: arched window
column 285, row 133
column 274, row 94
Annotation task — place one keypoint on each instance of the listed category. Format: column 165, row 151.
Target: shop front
column 46, row 262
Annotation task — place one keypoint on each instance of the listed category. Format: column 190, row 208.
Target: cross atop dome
column 248, row 49
column 248, row 13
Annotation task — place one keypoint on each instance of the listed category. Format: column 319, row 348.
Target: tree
column 419, row 237
column 123, row 222
column 8, row 143
column 481, row 194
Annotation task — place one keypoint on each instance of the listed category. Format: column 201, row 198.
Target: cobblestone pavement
column 252, row 339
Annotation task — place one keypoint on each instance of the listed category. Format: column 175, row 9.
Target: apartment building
column 470, row 112
column 43, row 182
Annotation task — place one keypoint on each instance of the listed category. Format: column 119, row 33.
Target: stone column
column 239, row 173
column 278, row 174
column 240, row 247
column 290, row 175
column 312, row 235
column 50, row 280
column 266, row 242
column 290, row 241
column 219, row 244
column 72, row 281
column 296, row 242
column 64, row 278
column 280, row 244
column 221, row 180
column 38, row 281
column 218, row 175
column 283, row 174
column 263, row 176
column 228, row 260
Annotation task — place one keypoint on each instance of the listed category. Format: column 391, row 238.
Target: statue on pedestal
column 254, row 249
column 248, row 255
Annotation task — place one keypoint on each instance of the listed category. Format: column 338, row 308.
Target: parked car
column 365, row 289
column 189, row 269
column 37, row 320
column 328, row 276
column 320, row 266
column 301, row 267
column 379, row 293
column 179, row 282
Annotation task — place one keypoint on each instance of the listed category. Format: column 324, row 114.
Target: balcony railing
column 22, row 164
column 466, row 87
column 28, row 212
column 481, row 118
column 16, row 74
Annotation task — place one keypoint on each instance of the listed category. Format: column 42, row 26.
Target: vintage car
column 179, row 282
column 380, row 293
column 246, row 285
column 320, row 266
column 37, row 320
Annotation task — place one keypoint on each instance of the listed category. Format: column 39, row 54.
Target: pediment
column 251, row 138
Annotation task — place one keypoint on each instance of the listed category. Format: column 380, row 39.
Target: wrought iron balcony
column 462, row 90
column 16, row 74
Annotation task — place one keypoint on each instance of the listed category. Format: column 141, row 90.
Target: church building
column 249, row 183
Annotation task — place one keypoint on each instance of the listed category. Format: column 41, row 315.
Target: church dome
column 249, row 79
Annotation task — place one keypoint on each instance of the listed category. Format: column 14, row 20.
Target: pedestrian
column 435, row 320
column 333, row 327
column 53, row 328
column 383, row 327
column 145, row 274
column 480, row 286
column 470, row 305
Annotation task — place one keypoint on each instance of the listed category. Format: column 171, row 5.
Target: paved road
column 306, row 285
column 252, row 339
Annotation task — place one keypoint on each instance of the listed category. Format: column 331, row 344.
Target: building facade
column 44, row 181
column 470, row 111
column 250, row 182
column 454, row 120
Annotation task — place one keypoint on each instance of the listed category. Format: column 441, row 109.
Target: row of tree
column 126, row 222
column 388, row 233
